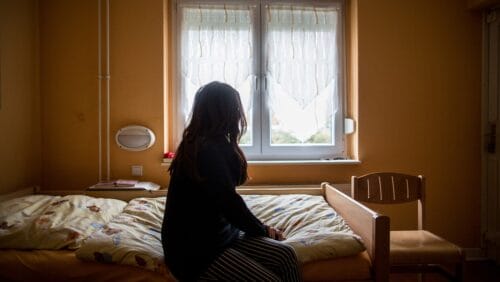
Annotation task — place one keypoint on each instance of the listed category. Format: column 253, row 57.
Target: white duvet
column 309, row 224
column 131, row 238
column 112, row 231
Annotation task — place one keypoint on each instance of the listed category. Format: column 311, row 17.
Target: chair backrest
column 390, row 188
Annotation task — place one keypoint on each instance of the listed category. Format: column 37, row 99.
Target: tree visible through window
column 285, row 60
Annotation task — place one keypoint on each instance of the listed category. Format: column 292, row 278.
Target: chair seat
column 422, row 247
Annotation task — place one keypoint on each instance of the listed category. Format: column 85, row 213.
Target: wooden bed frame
column 373, row 228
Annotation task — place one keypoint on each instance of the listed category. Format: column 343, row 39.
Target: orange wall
column 20, row 149
column 419, row 104
column 69, row 69
column 480, row 4
column 419, row 93
column 137, row 83
column 418, row 100
column 68, row 58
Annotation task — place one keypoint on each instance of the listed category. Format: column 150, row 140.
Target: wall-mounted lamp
column 135, row 138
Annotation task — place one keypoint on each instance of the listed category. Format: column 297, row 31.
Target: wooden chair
column 415, row 251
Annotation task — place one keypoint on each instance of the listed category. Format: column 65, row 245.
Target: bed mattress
column 62, row 265
column 327, row 248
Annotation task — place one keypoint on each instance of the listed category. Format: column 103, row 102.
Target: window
column 285, row 60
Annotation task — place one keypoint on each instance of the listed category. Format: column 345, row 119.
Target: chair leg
column 459, row 272
column 455, row 276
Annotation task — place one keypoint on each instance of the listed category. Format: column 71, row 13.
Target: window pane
column 302, row 72
column 217, row 44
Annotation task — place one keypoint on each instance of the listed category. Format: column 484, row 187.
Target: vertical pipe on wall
column 107, row 93
column 166, row 91
column 99, row 81
column 352, row 75
column 484, row 132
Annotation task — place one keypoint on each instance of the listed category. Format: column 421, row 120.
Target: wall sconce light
column 135, row 138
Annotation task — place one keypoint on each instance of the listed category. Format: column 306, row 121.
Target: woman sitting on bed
column 208, row 232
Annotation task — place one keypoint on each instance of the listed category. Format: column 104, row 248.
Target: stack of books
column 125, row 184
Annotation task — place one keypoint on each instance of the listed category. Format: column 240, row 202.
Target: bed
column 372, row 264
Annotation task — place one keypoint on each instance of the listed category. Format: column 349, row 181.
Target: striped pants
column 254, row 259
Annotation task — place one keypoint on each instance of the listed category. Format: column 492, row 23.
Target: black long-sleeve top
column 203, row 218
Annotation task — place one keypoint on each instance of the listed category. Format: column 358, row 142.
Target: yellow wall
column 68, row 55
column 481, row 4
column 418, row 100
column 419, row 104
column 20, row 151
column 137, row 82
column 69, row 69
column 419, row 93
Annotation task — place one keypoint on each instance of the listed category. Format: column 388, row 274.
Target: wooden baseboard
column 19, row 193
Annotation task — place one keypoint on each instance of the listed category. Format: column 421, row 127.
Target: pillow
column 29, row 205
column 17, row 215
column 132, row 238
column 64, row 222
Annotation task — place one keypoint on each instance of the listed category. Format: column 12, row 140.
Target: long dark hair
column 217, row 112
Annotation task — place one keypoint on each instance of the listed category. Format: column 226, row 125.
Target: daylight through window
column 285, row 60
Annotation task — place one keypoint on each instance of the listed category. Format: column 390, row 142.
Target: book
column 147, row 185
column 125, row 185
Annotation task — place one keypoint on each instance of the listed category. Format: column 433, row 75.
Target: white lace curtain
column 300, row 61
column 302, row 70
column 301, row 50
column 217, row 44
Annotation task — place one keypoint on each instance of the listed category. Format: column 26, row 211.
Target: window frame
column 259, row 151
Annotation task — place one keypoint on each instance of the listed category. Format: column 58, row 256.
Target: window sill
column 293, row 162
column 166, row 162
column 305, row 162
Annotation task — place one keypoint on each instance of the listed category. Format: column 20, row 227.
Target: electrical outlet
column 137, row 170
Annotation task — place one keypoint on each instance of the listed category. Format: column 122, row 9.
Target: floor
column 474, row 271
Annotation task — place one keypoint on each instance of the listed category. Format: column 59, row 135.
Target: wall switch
column 137, row 170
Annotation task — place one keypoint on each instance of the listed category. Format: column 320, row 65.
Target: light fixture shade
column 135, row 138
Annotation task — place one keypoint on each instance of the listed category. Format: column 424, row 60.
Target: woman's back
column 202, row 231
column 208, row 231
